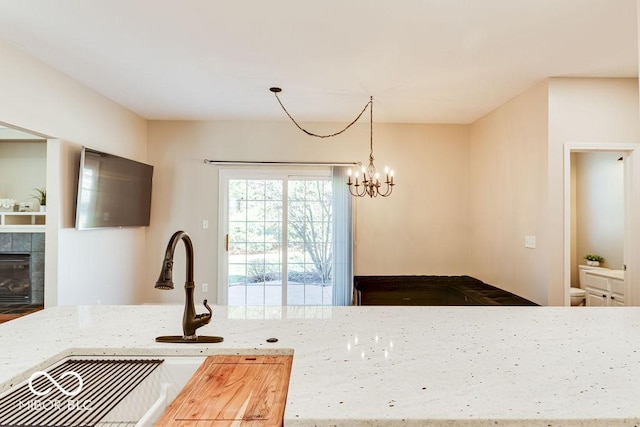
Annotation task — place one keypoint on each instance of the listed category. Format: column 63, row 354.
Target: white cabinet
column 605, row 288
column 30, row 222
column 597, row 298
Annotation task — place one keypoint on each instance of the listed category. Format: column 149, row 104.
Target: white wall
column 599, row 208
column 508, row 177
column 107, row 264
column 422, row 228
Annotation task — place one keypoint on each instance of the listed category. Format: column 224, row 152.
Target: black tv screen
column 112, row 191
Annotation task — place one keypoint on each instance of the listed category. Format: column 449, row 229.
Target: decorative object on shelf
column 41, row 197
column 369, row 184
column 593, row 259
column 7, row 205
column 25, row 206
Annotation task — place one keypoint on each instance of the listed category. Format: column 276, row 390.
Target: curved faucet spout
column 190, row 320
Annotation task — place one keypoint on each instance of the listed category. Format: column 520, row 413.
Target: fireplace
column 15, row 282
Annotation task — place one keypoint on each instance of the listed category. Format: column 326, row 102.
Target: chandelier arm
column 315, row 134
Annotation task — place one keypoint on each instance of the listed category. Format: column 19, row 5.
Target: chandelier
column 369, row 184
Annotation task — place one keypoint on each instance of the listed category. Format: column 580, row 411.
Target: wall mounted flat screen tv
column 112, row 191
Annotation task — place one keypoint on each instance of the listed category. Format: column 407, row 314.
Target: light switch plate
column 530, row 242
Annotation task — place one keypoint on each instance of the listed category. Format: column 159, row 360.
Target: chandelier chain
column 370, row 103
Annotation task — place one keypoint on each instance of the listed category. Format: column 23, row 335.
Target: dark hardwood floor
column 13, row 311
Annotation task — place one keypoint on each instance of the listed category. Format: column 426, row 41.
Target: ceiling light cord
column 276, row 90
column 369, row 183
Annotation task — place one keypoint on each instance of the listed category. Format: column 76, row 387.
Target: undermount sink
column 148, row 401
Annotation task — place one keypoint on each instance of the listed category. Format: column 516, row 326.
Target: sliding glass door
column 277, row 230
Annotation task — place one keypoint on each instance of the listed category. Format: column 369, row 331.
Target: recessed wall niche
column 22, row 169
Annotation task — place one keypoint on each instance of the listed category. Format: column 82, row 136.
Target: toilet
column 578, row 295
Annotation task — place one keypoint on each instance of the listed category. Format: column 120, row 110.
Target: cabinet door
column 617, row 300
column 597, row 298
column 617, row 286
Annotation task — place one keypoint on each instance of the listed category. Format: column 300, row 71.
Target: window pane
column 273, row 211
column 237, row 189
column 237, row 231
column 273, row 190
column 255, row 211
column 273, row 232
column 255, row 231
column 256, row 189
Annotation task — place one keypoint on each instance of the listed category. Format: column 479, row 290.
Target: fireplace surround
column 21, row 244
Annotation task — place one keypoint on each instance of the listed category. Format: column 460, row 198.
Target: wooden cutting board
column 233, row 391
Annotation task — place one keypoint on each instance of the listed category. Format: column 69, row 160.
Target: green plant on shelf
column 594, row 258
column 41, row 196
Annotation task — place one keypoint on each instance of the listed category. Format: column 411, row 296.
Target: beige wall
column 106, row 265
column 599, row 209
column 517, row 177
column 508, row 176
column 599, row 111
column 421, row 229
column 23, row 167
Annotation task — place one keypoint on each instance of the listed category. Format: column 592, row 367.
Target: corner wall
column 103, row 265
column 508, row 192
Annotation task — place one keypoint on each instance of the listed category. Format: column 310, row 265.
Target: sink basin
column 148, row 401
column 137, row 390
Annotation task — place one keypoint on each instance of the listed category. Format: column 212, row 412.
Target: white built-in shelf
column 22, row 222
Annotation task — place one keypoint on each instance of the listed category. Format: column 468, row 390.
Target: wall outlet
column 205, row 224
column 205, row 287
column 530, row 242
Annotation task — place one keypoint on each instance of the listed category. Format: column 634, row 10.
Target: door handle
column 226, row 243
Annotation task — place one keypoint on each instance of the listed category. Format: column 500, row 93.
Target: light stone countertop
column 611, row 274
column 384, row 366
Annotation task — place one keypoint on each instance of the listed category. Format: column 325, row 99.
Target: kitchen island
column 383, row 366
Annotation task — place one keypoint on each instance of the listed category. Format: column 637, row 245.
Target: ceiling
column 424, row 61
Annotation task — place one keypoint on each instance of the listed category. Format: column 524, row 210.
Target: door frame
column 631, row 159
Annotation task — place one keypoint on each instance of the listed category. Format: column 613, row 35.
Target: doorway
column 277, row 229
column 615, row 238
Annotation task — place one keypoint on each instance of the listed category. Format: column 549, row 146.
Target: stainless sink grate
column 74, row 393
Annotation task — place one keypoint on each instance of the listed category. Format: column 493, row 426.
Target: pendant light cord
column 276, row 90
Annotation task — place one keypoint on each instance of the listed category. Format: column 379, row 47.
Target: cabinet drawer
column 597, row 282
column 617, row 286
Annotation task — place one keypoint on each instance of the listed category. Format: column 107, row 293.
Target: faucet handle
column 205, row 315
column 206, row 305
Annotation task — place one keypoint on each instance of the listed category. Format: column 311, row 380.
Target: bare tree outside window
column 310, row 215
column 257, row 250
